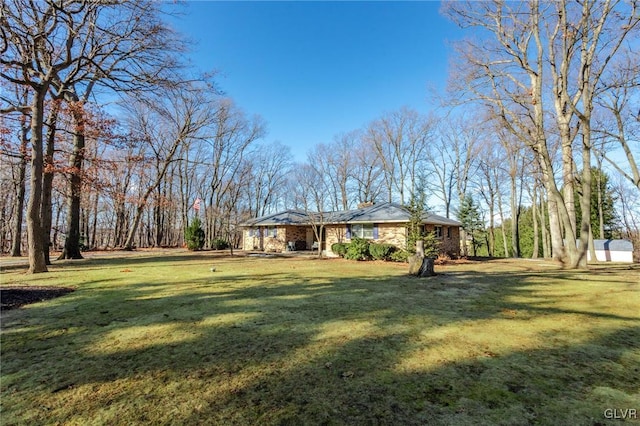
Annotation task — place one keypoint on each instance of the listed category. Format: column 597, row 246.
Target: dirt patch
column 14, row 297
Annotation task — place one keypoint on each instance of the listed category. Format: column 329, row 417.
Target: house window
column 437, row 230
column 272, row 232
column 362, row 230
column 448, row 232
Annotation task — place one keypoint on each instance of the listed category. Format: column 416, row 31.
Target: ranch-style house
column 381, row 223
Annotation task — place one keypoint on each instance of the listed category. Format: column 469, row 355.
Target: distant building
column 613, row 251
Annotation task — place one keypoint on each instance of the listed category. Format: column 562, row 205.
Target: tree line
column 110, row 140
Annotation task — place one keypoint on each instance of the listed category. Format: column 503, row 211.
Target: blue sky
column 313, row 70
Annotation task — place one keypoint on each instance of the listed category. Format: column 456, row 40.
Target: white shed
column 613, row 251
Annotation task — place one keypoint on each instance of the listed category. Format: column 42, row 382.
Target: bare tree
column 629, row 202
column 20, row 188
column 400, row 140
column 618, row 125
column 227, row 139
column 269, row 166
column 310, row 189
column 365, row 169
column 27, row 59
column 333, row 162
column 443, row 184
column 14, row 158
column 577, row 41
column 490, row 168
column 57, row 47
column 164, row 123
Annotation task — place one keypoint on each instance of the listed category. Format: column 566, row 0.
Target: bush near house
column 219, row 244
column 361, row 249
column 381, row 251
column 358, row 250
column 401, row 256
column 339, row 249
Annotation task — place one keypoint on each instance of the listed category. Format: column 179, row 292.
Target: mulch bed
column 14, row 297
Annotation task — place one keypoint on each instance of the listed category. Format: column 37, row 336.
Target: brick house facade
column 381, row 223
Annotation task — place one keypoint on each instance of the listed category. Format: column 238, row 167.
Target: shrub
column 358, row 250
column 219, row 244
column 194, row 235
column 431, row 245
column 339, row 249
column 400, row 256
column 381, row 251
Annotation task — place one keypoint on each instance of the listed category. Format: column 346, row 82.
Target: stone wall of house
column 250, row 242
column 275, row 244
column 452, row 245
column 284, row 234
column 388, row 233
column 392, row 233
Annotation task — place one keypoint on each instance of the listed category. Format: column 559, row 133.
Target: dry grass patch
column 308, row 341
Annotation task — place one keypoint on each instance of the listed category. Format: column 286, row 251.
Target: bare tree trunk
column 515, row 217
column 585, row 199
column 600, row 190
column 128, row 244
column 546, row 246
column 158, row 218
column 46, row 207
column 16, row 241
column 534, row 214
column 37, row 261
column 94, row 223
column 71, row 248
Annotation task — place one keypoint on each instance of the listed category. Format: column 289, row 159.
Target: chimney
column 365, row 204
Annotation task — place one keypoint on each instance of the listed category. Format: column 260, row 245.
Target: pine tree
column 602, row 204
column 472, row 223
column 194, row 235
column 415, row 230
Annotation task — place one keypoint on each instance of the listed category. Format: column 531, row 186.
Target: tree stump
column 419, row 265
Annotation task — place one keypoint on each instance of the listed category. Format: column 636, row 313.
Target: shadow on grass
column 282, row 348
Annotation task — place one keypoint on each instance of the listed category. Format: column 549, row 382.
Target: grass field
column 161, row 339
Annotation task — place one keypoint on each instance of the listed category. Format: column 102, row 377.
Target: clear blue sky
column 313, row 70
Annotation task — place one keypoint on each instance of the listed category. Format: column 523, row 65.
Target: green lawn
column 160, row 339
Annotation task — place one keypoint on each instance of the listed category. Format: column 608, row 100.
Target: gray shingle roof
column 287, row 217
column 613, row 245
column 377, row 213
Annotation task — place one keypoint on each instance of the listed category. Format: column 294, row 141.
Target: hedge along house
column 381, row 223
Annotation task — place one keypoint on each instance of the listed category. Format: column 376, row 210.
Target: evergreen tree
column 194, row 235
column 525, row 224
column 415, row 230
column 602, row 203
column 472, row 223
